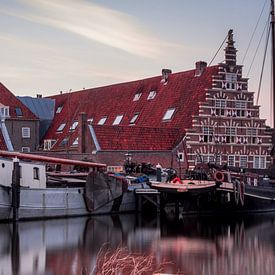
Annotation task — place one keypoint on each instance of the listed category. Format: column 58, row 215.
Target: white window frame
column 152, row 95
column 4, row 111
column 59, row 109
column 118, row 119
column 137, row 96
column 75, row 143
column 180, row 156
column 26, row 132
column 102, row 120
column 259, row 162
column 61, row 127
column 48, row 144
column 134, row 118
column 231, row 160
column 25, row 149
column 243, row 160
column 74, row 125
column 169, row 114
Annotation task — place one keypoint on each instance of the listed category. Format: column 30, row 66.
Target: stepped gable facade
column 176, row 119
column 19, row 127
column 227, row 129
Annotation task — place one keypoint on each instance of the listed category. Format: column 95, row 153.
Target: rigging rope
column 252, row 36
column 267, row 23
column 217, row 51
column 262, row 70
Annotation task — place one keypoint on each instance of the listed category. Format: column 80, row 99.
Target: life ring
column 218, row 176
column 236, row 184
column 241, row 192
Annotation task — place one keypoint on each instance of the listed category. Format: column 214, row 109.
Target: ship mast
column 272, row 22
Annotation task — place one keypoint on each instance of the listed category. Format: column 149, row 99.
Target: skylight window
column 137, row 96
column 74, row 125
column 118, row 120
column 75, row 143
column 134, row 118
column 169, row 113
column 151, row 95
column 59, row 109
column 18, row 111
column 61, row 127
column 102, row 120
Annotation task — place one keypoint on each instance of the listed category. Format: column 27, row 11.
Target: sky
column 48, row 46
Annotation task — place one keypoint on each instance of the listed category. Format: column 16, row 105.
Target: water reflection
column 191, row 245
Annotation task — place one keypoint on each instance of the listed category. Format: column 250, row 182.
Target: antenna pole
column 273, row 56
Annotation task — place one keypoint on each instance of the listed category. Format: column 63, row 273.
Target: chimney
column 165, row 74
column 82, row 133
column 200, row 66
column 39, row 96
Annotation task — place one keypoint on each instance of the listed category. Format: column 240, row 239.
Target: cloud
column 95, row 23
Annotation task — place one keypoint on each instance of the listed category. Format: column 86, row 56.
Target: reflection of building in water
column 195, row 246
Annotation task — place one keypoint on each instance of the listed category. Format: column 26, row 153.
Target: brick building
column 19, row 127
column 177, row 119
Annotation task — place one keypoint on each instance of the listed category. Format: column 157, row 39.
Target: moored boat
column 46, row 195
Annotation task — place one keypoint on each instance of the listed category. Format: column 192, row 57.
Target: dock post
column 15, row 189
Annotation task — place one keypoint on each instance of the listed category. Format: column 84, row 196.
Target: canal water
column 142, row 245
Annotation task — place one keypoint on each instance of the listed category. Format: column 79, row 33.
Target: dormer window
column 74, row 125
column 59, row 109
column 137, row 96
column 134, row 118
column 151, row 95
column 61, row 127
column 18, row 111
column 118, row 120
column 75, row 143
column 102, row 120
column 169, row 113
column 4, row 111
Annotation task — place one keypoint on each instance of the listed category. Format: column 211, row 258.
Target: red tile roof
column 183, row 92
column 2, row 142
column 7, row 98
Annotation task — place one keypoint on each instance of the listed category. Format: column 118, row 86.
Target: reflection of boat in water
column 204, row 245
column 34, row 193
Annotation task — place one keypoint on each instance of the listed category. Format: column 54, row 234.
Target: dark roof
column 2, row 142
column 43, row 108
column 7, row 98
column 183, row 91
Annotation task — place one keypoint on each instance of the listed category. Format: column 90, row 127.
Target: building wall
column 15, row 131
column 228, row 129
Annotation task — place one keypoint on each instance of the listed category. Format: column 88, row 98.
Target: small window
column 102, row 120
column 64, row 142
column 137, row 96
column 134, row 118
column 35, row 173
column 74, row 125
column 48, row 144
column 4, row 112
column 59, row 109
column 118, row 120
column 169, row 113
column 25, row 149
column 18, row 111
column 90, row 120
column 26, row 132
column 231, row 160
column 243, row 161
column 61, row 127
column 151, row 95
column 75, row 143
